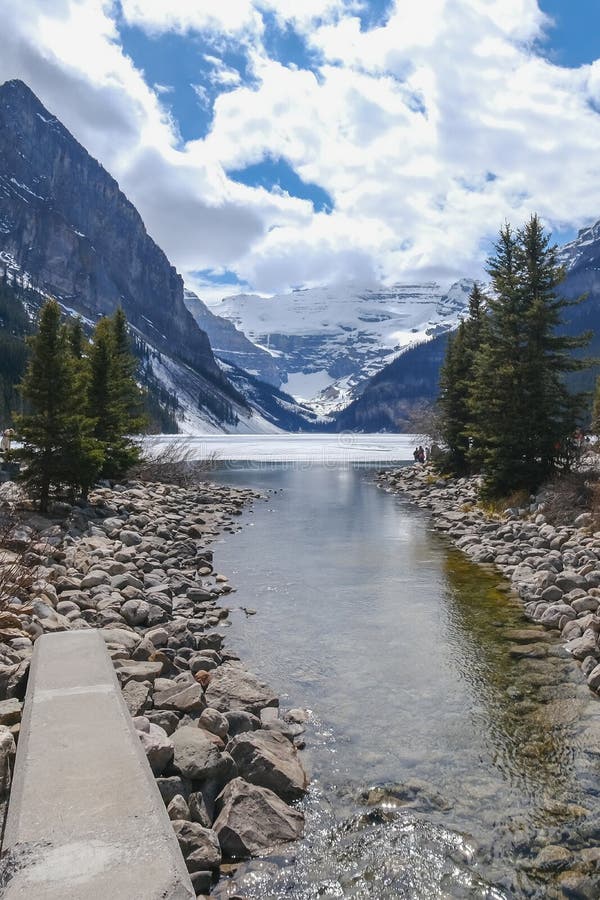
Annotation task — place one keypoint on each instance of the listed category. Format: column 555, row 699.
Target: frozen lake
column 324, row 449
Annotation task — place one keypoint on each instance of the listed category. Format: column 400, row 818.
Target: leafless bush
column 424, row 422
column 16, row 576
column 173, row 463
column 570, row 494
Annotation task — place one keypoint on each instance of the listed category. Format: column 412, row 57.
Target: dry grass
column 173, row 464
column 495, row 508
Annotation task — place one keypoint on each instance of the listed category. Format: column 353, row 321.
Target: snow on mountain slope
column 329, row 339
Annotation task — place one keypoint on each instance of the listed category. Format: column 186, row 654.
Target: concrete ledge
column 86, row 820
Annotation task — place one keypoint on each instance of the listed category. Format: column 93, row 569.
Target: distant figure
column 427, row 454
column 421, row 455
column 7, row 436
column 416, row 454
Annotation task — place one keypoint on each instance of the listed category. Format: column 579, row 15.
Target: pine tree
column 456, row 379
column 58, row 446
column 523, row 414
column 595, row 424
column 77, row 338
column 114, row 399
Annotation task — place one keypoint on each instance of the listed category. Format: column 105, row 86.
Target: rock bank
column 135, row 562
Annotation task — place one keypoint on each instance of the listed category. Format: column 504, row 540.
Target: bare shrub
column 424, row 421
column 16, row 577
column 570, row 494
column 173, row 463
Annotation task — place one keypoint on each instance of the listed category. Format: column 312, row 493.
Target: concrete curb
column 86, row 820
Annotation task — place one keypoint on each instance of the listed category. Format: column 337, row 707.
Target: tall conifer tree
column 523, row 414
column 114, row 398
column 456, row 380
column 59, row 449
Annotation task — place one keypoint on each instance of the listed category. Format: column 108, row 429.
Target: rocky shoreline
column 554, row 569
column 135, row 563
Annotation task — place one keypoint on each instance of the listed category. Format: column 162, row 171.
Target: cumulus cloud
column 427, row 130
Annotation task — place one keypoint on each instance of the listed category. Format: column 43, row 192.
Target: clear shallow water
column 407, row 656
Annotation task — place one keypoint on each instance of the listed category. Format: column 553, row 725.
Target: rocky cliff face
column 232, row 345
column 65, row 222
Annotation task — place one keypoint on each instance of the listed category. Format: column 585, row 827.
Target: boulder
column 253, row 820
column 157, row 747
column 178, row 809
column 198, row 810
column 10, row 711
column 135, row 612
column 130, row 538
column 135, row 695
column 199, row 842
column 121, row 636
column 215, row 722
column 233, row 687
column 181, row 698
column 197, row 757
column 167, row 720
column 268, row 759
column 130, row 670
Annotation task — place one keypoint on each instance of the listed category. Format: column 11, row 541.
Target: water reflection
column 422, row 682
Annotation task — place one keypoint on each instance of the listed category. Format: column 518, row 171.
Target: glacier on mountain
column 328, row 340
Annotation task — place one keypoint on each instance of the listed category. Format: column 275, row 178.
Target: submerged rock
column 253, row 820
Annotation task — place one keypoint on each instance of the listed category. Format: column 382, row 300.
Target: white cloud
column 427, row 131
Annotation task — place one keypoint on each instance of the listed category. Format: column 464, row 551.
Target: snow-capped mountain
column 69, row 232
column 327, row 340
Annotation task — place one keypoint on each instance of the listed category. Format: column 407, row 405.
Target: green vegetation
column 14, row 326
column 83, row 404
column 505, row 407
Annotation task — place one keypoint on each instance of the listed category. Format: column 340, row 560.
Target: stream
column 444, row 752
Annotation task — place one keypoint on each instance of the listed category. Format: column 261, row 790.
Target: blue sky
column 271, row 143
column 574, row 39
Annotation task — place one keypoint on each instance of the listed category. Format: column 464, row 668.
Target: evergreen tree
column 114, row 399
column 58, row 446
column 456, row 379
column 77, row 339
column 595, row 425
column 523, row 414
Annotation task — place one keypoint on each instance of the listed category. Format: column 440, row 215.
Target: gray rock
column 135, row 612
column 215, row 722
column 240, row 722
column 185, row 699
column 586, row 645
column 554, row 615
column 167, row 720
column 130, row 670
column 10, row 711
column 178, row 809
column 122, row 636
column 552, row 594
column 200, row 842
column 252, row 820
column 233, row 687
column 269, row 760
column 94, row 579
column 135, row 695
column 157, row 747
column 172, row 786
column 130, row 538
column 196, row 755
column 198, row 810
